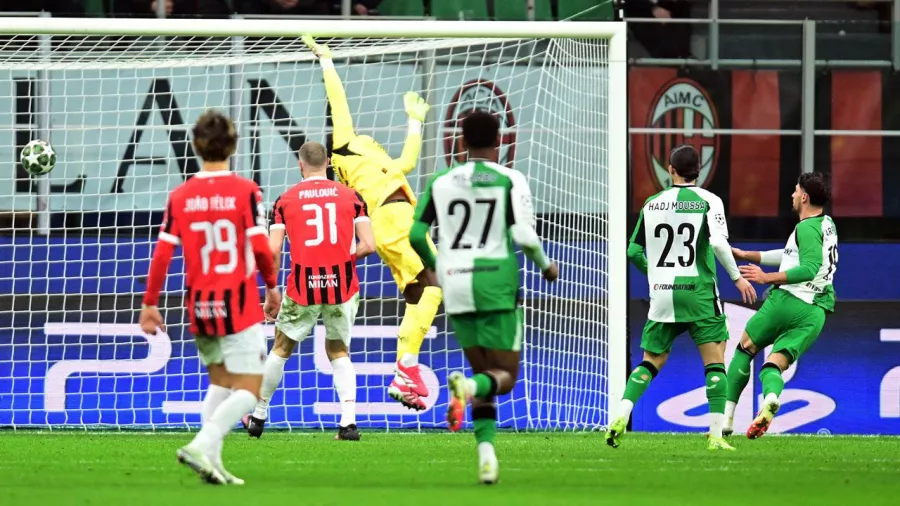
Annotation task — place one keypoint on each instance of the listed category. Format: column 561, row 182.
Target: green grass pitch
column 137, row 469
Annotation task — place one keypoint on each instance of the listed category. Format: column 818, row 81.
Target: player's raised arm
column 636, row 253
column 362, row 225
column 169, row 237
column 416, row 110
column 341, row 120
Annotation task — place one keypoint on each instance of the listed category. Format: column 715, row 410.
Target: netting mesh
column 118, row 111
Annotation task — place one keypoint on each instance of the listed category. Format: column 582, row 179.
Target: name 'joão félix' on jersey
column 214, row 203
column 684, row 205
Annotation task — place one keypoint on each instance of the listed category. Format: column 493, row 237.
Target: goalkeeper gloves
column 415, row 106
column 319, row 50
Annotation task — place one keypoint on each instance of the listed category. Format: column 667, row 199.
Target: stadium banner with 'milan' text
column 123, row 138
column 755, row 174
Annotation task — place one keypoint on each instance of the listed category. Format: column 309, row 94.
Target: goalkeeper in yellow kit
column 364, row 165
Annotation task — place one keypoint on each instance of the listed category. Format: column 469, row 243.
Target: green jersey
column 809, row 261
column 679, row 234
column 481, row 209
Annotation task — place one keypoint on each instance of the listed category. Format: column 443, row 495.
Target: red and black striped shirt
column 219, row 220
column 320, row 218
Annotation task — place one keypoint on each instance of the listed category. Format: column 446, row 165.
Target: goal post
column 117, row 99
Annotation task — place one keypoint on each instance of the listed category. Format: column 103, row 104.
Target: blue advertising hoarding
column 72, row 354
column 76, row 366
column 847, row 383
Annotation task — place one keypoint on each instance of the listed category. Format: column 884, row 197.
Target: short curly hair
column 816, row 185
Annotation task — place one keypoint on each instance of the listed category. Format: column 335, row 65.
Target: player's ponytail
column 686, row 162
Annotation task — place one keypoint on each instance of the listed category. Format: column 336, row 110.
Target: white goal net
column 117, row 103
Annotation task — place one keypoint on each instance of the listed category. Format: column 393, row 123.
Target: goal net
column 117, row 99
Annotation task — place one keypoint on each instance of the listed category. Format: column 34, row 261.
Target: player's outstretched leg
column 422, row 301
column 773, row 384
column 716, row 386
column 638, row 382
column 738, row 376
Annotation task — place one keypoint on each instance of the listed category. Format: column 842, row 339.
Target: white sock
column 716, row 421
column 409, row 359
column 223, row 420
column 274, row 371
column 345, row 385
column 625, row 408
column 471, row 387
column 729, row 410
column 771, row 398
column 485, row 450
column 215, row 395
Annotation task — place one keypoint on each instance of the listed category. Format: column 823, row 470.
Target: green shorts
column 494, row 330
column 659, row 336
column 787, row 323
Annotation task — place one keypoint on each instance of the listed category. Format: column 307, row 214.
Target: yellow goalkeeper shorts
column 391, row 224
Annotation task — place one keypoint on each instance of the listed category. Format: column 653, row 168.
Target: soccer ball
column 38, row 157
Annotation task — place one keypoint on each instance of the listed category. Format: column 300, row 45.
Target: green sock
column 485, row 421
column 738, row 374
column 639, row 380
column 485, row 386
column 716, row 386
column 771, row 379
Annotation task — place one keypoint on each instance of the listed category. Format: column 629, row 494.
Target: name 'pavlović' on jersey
column 680, row 233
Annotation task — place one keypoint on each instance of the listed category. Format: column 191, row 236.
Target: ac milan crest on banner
column 682, row 103
column 479, row 94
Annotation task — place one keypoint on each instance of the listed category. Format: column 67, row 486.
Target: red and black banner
column 755, row 174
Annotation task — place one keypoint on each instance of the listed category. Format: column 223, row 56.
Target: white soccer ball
column 38, row 157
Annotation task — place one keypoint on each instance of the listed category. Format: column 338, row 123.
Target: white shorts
column 242, row 353
column 297, row 321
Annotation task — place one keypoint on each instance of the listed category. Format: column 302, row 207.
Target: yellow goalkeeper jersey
column 362, row 164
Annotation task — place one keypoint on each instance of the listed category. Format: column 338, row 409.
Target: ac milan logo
column 478, row 94
column 682, row 103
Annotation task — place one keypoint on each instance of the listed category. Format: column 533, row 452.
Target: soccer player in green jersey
column 793, row 315
column 482, row 208
column 679, row 234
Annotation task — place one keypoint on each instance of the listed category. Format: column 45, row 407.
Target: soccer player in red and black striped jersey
column 323, row 221
column 219, row 220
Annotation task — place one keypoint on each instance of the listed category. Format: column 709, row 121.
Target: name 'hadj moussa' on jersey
column 680, row 233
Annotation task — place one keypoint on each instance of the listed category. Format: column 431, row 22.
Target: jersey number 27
column 463, row 207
